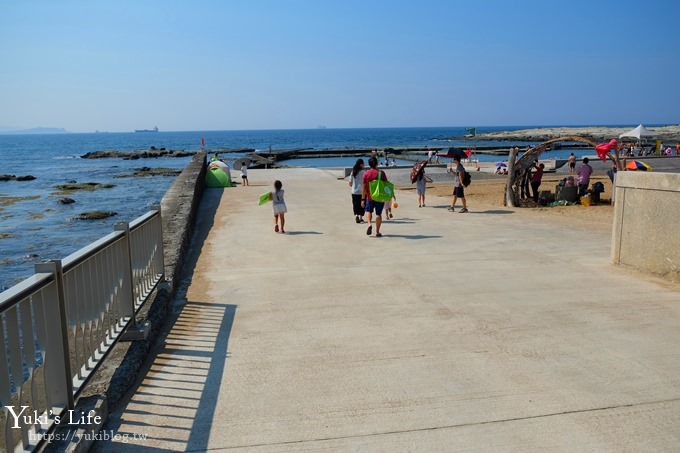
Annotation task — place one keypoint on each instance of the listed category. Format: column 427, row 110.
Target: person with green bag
column 376, row 190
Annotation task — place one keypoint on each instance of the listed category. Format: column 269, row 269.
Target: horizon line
column 61, row 131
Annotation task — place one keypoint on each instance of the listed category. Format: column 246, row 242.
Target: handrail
column 23, row 289
column 58, row 325
column 82, row 254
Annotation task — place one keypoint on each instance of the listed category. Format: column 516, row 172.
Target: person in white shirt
column 244, row 173
column 356, row 183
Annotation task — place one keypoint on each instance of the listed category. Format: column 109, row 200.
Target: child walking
column 279, row 207
column 244, row 173
column 421, row 185
column 388, row 207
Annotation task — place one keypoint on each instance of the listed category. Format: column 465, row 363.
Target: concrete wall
column 646, row 221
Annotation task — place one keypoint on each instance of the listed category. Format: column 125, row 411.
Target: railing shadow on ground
column 174, row 405
column 174, row 400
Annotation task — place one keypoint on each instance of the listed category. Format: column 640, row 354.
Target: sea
column 35, row 227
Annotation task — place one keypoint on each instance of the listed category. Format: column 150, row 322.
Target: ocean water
column 35, row 227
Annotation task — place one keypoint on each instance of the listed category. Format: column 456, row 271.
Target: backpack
column 467, row 178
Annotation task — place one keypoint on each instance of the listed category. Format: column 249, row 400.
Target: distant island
column 34, row 131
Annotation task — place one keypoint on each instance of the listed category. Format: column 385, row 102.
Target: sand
column 488, row 195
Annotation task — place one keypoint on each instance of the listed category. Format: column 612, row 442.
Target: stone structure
column 646, row 217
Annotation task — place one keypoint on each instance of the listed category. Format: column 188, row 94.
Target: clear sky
column 221, row 65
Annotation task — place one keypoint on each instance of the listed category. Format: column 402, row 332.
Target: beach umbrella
column 501, row 164
column 453, row 152
column 418, row 168
column 238, row 163
column 638, row 165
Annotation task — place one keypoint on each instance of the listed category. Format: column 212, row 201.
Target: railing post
column 125, row 228
column 157, row 207
column 54, row 267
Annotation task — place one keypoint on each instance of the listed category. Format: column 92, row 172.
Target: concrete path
column 454, row 332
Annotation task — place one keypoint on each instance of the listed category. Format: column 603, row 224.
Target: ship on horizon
column 155, row 129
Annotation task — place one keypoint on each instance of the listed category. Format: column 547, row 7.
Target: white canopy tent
column 638, row 133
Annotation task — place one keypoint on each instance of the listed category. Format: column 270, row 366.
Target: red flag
column 202, row 142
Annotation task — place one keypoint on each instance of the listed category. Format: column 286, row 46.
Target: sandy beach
column 487, row 194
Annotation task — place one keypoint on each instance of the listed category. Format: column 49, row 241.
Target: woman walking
column 356, row 183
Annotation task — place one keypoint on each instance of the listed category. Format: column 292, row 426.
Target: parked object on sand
column 638, row 165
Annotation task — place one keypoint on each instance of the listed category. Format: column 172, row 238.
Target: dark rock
column 152, row 148
column 83, row 186
column 71, row 181
column 25, row 178
column 66, row 200
column 7, row 177
column 95, row 215
column 133, row 155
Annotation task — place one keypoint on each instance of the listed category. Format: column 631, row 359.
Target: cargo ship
column 155, row 129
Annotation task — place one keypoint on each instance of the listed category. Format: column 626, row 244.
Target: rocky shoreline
column 133, row 155
column 542, row 134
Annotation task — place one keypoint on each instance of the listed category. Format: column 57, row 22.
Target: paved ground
column 478, row 331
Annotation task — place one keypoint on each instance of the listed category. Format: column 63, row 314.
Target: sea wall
column 646, row 214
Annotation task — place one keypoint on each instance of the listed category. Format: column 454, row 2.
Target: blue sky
column 224, row 65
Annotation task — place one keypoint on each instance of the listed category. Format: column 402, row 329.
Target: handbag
column 381, row 191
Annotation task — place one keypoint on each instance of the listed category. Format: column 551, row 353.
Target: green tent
column 216, row 177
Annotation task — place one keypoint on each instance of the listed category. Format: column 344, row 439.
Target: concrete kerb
column 118, row 373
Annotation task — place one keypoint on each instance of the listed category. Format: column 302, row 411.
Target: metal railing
column 58, row 325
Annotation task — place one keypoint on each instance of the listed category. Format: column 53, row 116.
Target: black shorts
column 459, row 192
column 572, row 165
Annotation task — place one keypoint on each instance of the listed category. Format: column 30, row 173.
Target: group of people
column 364, row 207
column 631, row 150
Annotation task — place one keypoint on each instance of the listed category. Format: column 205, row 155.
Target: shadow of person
column 300, row 233
column 412, row 237
column 494, row 212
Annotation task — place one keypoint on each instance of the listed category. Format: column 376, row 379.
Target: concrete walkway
column 477, row 331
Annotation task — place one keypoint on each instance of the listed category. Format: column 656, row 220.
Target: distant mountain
column 34, row 130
